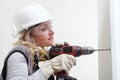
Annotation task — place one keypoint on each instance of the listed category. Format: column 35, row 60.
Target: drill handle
column 61, row 75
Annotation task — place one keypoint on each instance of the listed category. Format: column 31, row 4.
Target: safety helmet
column 28, row 16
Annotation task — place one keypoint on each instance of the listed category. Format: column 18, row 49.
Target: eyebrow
column 44, row 23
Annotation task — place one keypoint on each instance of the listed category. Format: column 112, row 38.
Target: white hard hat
column 29, row 15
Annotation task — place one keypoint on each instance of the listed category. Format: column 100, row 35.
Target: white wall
column 105, row 58
column 76, row 23
column 115, row 38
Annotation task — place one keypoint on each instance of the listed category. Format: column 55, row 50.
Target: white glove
column 57, row 64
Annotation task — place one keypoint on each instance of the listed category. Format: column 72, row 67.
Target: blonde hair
column 25, row 38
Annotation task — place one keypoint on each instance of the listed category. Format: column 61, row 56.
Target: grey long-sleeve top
column 17, row 69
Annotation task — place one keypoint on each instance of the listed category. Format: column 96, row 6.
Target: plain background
column 79, row 22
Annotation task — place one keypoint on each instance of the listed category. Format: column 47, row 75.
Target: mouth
column 51, row 39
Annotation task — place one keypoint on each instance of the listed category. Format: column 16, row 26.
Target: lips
column 51, row 39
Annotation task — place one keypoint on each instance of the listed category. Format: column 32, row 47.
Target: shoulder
column 17, row 57
column 20, row 48
column 19, row 51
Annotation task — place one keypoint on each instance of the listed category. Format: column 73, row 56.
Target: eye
column 44, row 28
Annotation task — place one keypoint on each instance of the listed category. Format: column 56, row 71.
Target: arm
column 17, row 69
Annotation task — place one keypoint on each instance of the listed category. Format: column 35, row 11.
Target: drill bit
column 102, row 49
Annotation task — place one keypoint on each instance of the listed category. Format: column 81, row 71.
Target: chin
column 50, row 44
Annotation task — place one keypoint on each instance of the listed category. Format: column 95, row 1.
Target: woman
column 33, row 25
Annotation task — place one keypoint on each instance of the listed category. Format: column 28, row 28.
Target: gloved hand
column 57, row 64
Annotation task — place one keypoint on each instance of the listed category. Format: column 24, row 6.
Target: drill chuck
column 85, row 50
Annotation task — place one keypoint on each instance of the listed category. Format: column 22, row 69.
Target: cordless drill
column 71, row 50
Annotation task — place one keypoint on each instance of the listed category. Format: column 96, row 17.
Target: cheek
column 41, row 39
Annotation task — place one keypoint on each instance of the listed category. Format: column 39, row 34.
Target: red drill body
column 71, row 50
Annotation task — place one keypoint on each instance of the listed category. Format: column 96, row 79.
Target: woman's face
column 43, row 34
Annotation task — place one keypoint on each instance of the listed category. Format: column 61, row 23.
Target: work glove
column 57, row 64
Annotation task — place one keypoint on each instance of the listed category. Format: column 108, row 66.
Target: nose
column 51, row 31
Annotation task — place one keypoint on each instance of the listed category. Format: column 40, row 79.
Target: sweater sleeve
column 17, row 69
